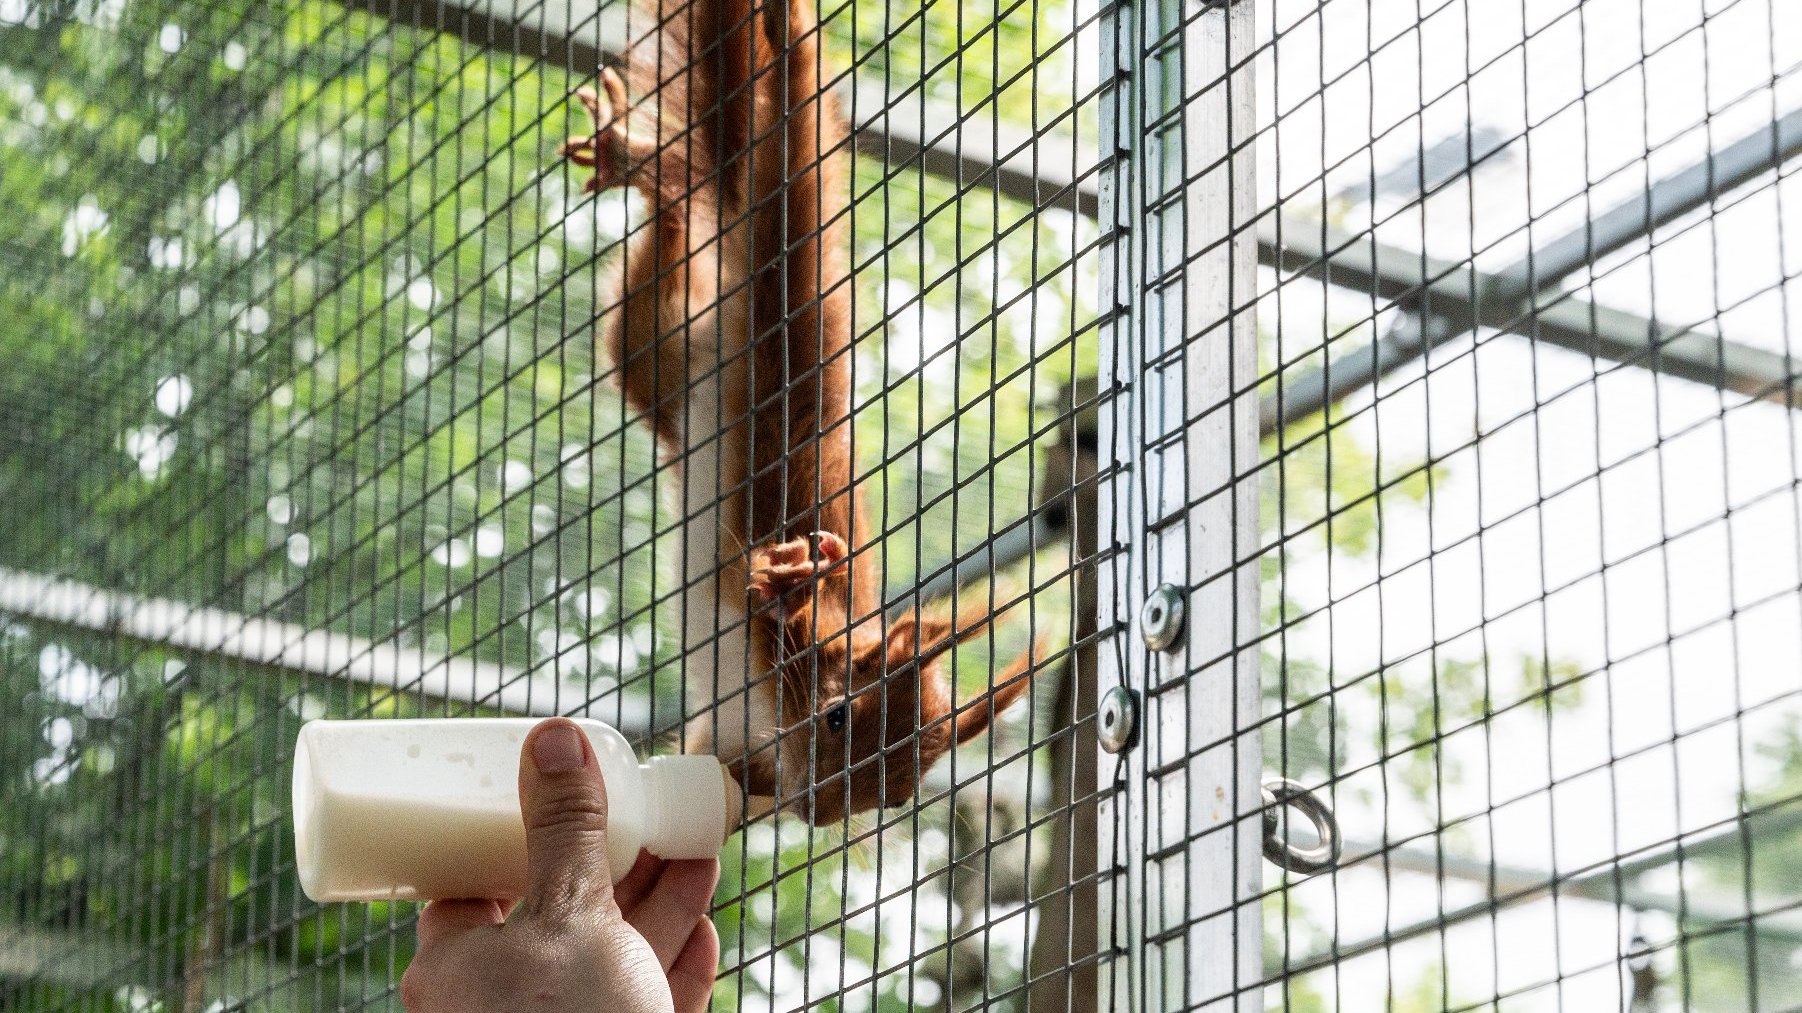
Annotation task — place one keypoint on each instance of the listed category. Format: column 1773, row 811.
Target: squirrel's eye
column 835, row 719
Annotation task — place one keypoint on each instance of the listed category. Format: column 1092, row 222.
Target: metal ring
column 1280, row 791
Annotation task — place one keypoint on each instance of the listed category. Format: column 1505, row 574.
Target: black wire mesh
column 1488, row 530
column 1530, row 521
column 304, row 416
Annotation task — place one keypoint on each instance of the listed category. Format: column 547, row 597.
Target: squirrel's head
column 867, row 708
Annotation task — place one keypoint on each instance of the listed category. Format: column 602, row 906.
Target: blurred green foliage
column 299, row 316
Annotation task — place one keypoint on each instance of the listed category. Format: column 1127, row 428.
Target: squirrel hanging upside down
column 732, row 335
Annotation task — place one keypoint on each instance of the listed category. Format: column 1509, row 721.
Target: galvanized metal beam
column 91, row 961
column 998, row 553
column 1045, row 169
column 577, row 35
column 1041, row 169
column 295, row 650
column 1453, row 298
column 291, row 649
column 1667, row 200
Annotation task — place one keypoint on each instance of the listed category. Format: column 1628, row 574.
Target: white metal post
column 1180, row 828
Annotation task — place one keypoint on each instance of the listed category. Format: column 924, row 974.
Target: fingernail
column 558, row 748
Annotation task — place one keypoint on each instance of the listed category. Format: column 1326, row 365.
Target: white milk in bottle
column 429, row 808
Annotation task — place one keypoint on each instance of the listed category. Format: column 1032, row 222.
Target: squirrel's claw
column 592, row 102
column 580, row 150
column 616, row 95
column 605, row 150
column 782, row 567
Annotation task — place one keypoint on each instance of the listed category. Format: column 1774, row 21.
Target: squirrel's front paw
column 609, row 149
column 779, row 568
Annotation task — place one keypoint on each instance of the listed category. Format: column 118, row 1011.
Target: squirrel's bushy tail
column 731, row 90
column 801, row 301
column 742, row 118
column 741, row 106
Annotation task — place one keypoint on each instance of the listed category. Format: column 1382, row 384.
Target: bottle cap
column 694, row 806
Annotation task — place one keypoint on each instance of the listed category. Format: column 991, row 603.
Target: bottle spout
column 693, row 806
column 735, row 806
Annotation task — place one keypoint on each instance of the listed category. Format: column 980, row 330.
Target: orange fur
column 733, row 339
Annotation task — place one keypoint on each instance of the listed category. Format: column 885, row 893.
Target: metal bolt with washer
column 1161, row 619
column 1119, row 720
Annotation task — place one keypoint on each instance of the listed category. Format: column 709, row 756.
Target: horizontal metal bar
column 1043, row 169
column 91, row 961
column 30, row 953
column 296, row 650
column 992, row 557
column 292, row 650
column 1317, row 388
column 1698, row 910
column 573, row 34
column 1040, row 169
column 1460, row 299
column 1670, row 198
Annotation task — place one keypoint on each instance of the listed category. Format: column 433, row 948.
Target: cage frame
column 1454, row 297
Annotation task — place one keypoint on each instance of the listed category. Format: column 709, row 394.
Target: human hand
column 575, row 943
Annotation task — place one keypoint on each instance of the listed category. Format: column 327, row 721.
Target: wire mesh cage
column 1374, row 412
column 1529, row 525
column 306, row 416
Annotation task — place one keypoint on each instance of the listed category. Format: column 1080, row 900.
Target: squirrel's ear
column 919, row 639
column 909, row 640
column 1010, row 684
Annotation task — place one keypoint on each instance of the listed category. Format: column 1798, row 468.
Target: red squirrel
column 732, row 337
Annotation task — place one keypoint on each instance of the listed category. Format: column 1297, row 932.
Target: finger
column 666, row 916
column 788, row 573
column 786, row 552
column 580, row 150
column 771, row 581
column 591, row 102
column 564, row 804
column 630, row 891
column 616, row 91
column 691, row 976
column 443, row 919
column 831, row 547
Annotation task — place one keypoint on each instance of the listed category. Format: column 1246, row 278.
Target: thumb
column 564, row 803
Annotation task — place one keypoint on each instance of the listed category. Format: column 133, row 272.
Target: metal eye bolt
column 1280, row 791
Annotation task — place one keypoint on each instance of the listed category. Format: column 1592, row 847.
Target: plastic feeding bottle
column 423, row 809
